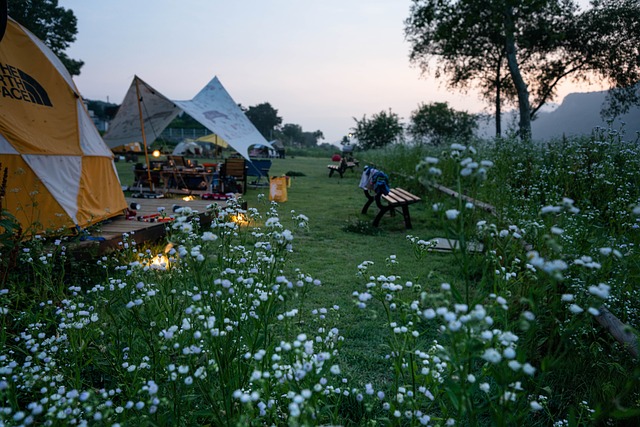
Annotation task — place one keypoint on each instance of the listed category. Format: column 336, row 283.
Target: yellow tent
column 132, row 147
column 61, row 173
column 213, row 138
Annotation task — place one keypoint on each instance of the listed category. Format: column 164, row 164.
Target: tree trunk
column 498, row 100
column 518, row 81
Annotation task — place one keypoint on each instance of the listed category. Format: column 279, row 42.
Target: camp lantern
column 61, row 174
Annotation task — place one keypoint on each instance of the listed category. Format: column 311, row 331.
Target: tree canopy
column 185, row 121
column 293, row 135
column 518, row 51
column 383, row 128
column 436, row 122
column 265, row 118
column 54, row 25
column 102, row 110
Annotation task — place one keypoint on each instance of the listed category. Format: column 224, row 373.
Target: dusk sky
column 319, row 63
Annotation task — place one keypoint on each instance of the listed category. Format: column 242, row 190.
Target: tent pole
column 144, row 138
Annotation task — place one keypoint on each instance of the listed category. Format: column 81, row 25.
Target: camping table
column 141, row 177
column 182, row 175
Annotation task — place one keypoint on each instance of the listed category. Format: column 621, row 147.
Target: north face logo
column 16, row 84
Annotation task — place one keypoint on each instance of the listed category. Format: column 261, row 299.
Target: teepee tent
column 157, row 112
column 60, row 173
column 212, row 107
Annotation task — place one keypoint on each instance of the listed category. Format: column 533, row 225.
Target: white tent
column 271, row 152
column 187, row 147
column 157, row 111
column 212, row 107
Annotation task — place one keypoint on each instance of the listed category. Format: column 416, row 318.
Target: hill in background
column 578, row 114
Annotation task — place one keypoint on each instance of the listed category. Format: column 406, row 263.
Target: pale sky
column 319, row 63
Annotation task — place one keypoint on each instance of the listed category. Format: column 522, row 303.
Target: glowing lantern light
column 159, row 262
column 240, row 218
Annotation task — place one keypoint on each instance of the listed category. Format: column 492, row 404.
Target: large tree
column 54, row 25
column 310, row 139
column 436, row 123
column 265, row 118
column 293, row 135
column 519, row 51
column 382, row 129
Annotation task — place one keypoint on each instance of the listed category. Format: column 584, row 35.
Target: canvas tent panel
column 97, row 173
column 61, row 176
column 89, row 133
column 28, row 199
column 6, row 147
column 117, row 177
column 131, row 147
column 157, row 111
column 45, row 133
column 53, row 60
column 214, row 108
column 36, row 105
column 188, row 147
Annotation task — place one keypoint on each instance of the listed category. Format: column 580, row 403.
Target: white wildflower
column 452, row 214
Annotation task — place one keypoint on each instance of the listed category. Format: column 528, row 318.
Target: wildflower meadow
column 222, row 325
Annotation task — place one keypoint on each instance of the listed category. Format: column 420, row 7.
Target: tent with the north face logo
column 61, row 174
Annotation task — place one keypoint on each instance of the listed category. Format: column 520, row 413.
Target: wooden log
column 482, row 205
column 606, row 319
column 619, row 330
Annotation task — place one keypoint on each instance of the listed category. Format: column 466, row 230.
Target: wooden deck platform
column 108, row 234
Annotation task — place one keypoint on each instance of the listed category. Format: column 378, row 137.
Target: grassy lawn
column 330, row 252
column 313, row 317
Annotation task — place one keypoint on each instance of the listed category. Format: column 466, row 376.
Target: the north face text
column 16, row 84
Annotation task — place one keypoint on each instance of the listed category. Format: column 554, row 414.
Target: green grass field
column 339, row 238
column 310, row 316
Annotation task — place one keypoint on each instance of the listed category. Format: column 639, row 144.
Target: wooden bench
column 341, row 168
column 397, row 198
